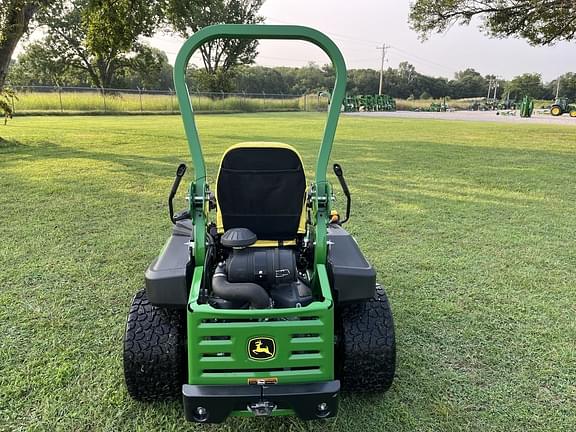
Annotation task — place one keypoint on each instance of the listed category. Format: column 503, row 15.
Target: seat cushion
column 261, row 187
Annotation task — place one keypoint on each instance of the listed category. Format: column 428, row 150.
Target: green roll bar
column 255, row 31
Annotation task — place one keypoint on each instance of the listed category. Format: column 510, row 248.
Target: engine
column 257, row 277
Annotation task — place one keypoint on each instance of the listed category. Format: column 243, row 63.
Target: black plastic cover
column 295, row 294
column 238, row 238
column 220, row 400
column 265, row 266
column 351, row 276
column 166, row 278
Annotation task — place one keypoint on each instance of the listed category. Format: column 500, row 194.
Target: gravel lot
column 483, row 116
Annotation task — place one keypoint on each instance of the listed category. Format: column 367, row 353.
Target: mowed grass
column 471, row 227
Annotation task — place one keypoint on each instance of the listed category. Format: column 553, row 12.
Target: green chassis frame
column 310, row 328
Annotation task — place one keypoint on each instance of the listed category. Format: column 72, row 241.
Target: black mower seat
column 262, row 186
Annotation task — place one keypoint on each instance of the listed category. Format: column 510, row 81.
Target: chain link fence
column 47, row 99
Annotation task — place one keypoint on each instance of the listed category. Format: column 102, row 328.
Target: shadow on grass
column 10, row 145
column 162, row 166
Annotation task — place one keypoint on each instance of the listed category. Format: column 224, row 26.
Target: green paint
column 198, row 192
column 315, row 320
column 218, row 338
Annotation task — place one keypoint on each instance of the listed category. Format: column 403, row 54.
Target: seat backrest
column 262, row 186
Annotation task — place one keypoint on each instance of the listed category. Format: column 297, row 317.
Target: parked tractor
column 561, row 106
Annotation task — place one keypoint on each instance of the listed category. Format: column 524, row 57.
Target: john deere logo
column 261, row 348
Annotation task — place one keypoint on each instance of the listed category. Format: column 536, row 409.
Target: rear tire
column 154, row 351
column 556, row 111
column 366, row 350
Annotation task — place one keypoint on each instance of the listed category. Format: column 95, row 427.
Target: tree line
column 98, row 43
column 150, row 69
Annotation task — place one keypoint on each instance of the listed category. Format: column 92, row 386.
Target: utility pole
column 558, row 88
column 383, row 48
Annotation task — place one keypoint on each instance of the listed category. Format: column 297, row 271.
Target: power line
column 406, row 53
column 416, row 58
column 371, row 42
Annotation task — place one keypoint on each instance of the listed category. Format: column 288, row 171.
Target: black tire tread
column 154, row 351
column 367, row 346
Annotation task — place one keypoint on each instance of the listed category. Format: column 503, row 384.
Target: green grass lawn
column 471, row 227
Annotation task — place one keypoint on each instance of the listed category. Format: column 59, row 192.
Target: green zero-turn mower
column 268, row 308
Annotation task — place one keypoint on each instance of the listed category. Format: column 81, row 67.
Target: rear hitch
column 262, row 408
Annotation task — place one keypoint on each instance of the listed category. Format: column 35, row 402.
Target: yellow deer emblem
column 261, row 348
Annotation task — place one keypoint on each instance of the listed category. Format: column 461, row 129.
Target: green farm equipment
column 438, row 107
column 350, row 104
column 561, row 106
column 526, row 107
column 385, row 103
column 369, row 103
column 260, row 302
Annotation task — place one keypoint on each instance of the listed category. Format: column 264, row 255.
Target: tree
column 15, row 19
column 363, row 81
column 221, row 56
column 98, row 37
column 258, row 79
column 38, row 64
column 468, row 83
column 540, row 22
column 526, row 84
column 567, row 86
column 148, row 69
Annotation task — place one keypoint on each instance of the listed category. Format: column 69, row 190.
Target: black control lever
column 340, row 175
column 179, row 174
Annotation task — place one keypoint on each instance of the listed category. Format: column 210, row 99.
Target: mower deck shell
column 351, row 275
column 166, row 277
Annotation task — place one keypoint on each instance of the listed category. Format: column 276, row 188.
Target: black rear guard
column 214, row 403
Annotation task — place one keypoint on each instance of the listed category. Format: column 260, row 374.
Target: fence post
column 263, row 100
column 306, row 102
column 13, row 106
column 171, row 100
column 60, row 98
column 140, row 96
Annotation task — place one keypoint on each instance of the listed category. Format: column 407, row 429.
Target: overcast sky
column 358, row 27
